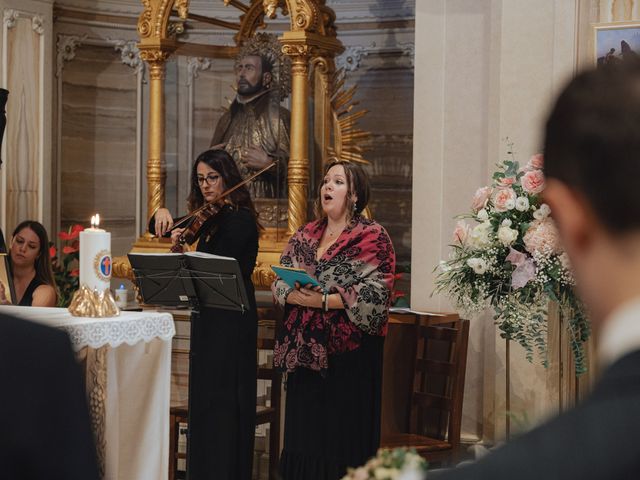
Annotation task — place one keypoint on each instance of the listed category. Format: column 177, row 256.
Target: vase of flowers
column 66, row 265
column 506, row 254
column 396, row 464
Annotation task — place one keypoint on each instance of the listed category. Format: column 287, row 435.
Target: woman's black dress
column 27, row 297
column 223, row 375
column 333, row 422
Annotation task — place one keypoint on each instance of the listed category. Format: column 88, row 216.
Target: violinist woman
column 332, row 341
column 31, row 267
column 223, row 403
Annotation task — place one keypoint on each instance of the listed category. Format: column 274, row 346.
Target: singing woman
column 332, row 339
column 223, row 376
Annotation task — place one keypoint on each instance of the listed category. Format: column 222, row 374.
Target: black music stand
column 192, row 279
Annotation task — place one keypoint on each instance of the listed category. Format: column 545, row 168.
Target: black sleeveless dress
column 27, row 298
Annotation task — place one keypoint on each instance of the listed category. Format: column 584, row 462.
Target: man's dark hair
column 592, row 142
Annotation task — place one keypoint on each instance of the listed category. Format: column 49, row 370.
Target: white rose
column 522, row 204
column 478, row 265
column 481, row 235
column 506, row 222
column 545, row 209
column 510, row 204
column 507, row 235
column 542, row 212
column 483, row 216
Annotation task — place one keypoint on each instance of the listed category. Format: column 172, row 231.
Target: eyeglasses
column 210, row 179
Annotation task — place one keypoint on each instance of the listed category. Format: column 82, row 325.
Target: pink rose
column 536, row 162
column 542, row 236
column 533, row 182
column 480, row 198
column 504, row 199
column 506, row 182
column 460, row 233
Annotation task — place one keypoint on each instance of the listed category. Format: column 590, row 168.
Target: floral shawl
column 360, row 266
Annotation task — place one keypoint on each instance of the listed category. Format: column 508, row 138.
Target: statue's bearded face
column 249, row 75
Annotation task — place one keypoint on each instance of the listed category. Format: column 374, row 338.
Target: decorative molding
column 37, row 23
column 67, row 45
column 350, row 58
column 130, row 55
column 409, row 48
column 195, row 65
column 10, row 17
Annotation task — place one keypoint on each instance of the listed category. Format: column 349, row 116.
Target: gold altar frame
column 312, row 45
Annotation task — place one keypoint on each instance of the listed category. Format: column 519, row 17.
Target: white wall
column 489, row 70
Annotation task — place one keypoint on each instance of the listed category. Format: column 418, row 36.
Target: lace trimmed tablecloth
column 128, row 327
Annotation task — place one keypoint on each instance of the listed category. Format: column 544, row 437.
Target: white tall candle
column 95, row 257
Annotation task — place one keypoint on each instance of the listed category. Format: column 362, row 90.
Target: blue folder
column 293, row 275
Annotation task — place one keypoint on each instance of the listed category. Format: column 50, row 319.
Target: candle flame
column 95, row 220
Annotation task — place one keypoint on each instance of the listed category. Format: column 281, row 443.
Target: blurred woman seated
column 31, row 267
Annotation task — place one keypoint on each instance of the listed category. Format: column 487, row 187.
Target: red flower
column 73, row 232
column 75, row 272
column 68, row 249
column 52, row 251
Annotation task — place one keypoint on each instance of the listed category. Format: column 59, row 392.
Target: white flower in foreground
column 506, row 222
column 481, row 235
column 543, row 212
column 507, row 235
column 483, row 216
column 478, row 265
column 522, row 204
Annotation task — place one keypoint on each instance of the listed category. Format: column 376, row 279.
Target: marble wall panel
column 98, row 143
column 24, row 128
column 385, row 88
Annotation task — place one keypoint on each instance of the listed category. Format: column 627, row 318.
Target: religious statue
column 255, row 129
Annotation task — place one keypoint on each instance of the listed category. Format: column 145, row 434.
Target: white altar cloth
column 130, row 414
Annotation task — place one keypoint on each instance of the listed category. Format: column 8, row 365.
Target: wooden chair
column 271, row 414
column 437, row 391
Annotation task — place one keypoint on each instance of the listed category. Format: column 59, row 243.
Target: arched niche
column 328, row 130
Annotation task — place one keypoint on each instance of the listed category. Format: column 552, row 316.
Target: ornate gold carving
column 263, row 275
column 154, row 55
column 144, row 21
column 122, row 268
column 96, row 389
column 182, row 6
column 94, row 304
column 349, row 140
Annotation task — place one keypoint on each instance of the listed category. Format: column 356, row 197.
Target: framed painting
column 615, row 42
column 6, row 280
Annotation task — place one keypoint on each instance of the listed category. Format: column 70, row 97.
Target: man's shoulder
column 17, row 328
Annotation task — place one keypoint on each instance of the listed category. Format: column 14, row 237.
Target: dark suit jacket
column 596, row 440
column 45, row 431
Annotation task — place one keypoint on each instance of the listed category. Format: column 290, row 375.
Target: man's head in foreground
column 592, row 163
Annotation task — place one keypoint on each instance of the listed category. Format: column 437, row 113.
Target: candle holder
column 94, row 298
column 92, row 303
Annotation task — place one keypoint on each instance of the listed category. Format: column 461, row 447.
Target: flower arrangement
column 396, row 464
column 65, row 268
column 510, row 259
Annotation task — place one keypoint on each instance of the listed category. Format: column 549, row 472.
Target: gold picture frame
column 6, row 278
column 615, row 42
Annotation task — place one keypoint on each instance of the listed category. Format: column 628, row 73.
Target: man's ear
column 572, row 214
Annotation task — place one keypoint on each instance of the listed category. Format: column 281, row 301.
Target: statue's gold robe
column 258, row 122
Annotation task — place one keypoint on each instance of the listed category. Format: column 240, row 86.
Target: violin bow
column 222, row 195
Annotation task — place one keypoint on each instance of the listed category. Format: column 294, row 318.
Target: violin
column 198, row 217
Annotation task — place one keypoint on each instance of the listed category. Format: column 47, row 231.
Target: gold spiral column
column 156, row 169
column 298, row 173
